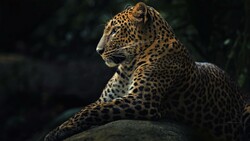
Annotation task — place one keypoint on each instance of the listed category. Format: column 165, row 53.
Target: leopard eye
column 114, row 30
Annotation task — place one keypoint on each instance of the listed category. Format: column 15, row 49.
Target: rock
column 136, row 130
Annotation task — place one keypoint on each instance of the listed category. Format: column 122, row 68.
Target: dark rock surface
column 136, row 130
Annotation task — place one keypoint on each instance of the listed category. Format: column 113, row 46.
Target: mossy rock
column 136, row 130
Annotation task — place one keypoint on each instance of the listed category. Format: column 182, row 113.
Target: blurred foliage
column 48, row 62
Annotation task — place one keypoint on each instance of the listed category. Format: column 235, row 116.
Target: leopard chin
column 111, row 64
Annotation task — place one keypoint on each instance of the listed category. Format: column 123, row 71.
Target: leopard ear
column 139, row 13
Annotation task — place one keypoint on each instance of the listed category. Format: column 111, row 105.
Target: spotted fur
column 157, row 79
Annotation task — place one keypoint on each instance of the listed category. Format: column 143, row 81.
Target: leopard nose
column 100, row 50
column 101, row 44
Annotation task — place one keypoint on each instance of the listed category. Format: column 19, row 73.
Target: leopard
column 157, row 78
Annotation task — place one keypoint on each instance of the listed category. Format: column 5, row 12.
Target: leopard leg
column 128, row 107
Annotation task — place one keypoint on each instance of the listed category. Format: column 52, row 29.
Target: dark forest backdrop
column 49, row 67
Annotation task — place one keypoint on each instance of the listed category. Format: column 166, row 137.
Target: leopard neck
column 165, row 46
column 167, row 43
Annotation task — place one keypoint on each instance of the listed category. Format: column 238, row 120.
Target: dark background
column 49, row 67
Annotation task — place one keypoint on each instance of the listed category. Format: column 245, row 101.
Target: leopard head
column 127, row 34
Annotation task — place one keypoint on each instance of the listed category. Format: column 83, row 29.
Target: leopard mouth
column 114, row 61
column 118, row 59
